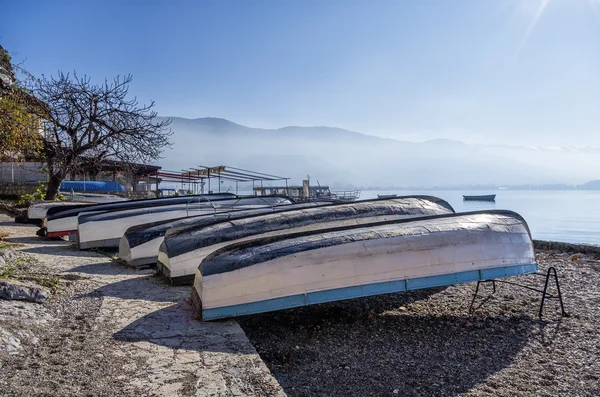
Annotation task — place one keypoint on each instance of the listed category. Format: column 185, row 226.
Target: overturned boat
column 62, row 222
column 183, row 250
column 39, row 210
column 139, row 244
column 292, row 270
column 106, row 229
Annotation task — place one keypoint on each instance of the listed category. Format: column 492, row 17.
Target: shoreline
column 583, row 248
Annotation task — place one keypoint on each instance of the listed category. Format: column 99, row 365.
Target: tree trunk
column 53, row 185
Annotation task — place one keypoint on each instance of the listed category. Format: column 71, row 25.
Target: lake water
column 559, row 215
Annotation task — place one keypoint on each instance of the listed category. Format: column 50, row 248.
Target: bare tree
column 87, row 124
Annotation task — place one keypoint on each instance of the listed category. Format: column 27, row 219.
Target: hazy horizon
column 416, row 140
column 509, row 72
column 343, row 157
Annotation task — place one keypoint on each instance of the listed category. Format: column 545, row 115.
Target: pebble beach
column 425, row 343
column 109, row 330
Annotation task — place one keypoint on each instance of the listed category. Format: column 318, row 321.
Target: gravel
column 422, row 343
column 425, row 343
column 72, row 354
column 108, row 330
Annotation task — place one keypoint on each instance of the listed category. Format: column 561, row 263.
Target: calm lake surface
column 558, row 215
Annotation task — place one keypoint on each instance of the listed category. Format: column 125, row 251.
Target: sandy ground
column 113, row 331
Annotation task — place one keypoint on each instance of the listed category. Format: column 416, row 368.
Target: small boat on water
column 59, row 222
column 140, row 244
column 385, row 196
column 323, row 265
column 483, row 197
column 183, row 250
column 105, row 229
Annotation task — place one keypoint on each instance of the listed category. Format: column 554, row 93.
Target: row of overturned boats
column 252, row 254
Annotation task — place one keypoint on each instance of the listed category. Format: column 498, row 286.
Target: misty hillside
column 338, row 156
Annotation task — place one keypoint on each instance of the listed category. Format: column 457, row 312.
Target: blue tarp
column 91, row 186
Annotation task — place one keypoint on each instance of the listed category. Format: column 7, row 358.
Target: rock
column 15, row 290
column 9, row 343
column 402, row 308
column 396, row 391
column 8, row 255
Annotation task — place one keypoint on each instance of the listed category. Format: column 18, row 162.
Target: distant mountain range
column 346, row 158
column 591, row 185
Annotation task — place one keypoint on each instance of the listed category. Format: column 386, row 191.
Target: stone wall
column 16, row 190
column 567, row 247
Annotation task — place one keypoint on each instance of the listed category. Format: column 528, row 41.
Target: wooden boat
column 139, row 244
column 280, row 272
column 95, row 230
column 97, row 198
column 60, row 223
column 483, row 197
column 40, row 210
column 182, row 250
column 386, row 195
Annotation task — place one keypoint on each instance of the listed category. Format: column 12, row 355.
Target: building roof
column 112, row 165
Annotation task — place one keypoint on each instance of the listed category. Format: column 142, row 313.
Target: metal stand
column 545, row 295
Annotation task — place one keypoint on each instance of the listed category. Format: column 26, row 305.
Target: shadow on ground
column 105, row 268
column 172, row 325
column 143, row 285
column 52, row 247
column 176, row 327
column 370, row 347
column 33, row 239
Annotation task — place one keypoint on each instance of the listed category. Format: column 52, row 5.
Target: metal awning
column 203, row 174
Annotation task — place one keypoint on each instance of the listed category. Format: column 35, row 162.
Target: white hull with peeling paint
column 181, row 253
column 140, row 244
column 281, row 272
column 106, row 230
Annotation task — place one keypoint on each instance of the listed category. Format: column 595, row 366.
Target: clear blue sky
column 511, row 71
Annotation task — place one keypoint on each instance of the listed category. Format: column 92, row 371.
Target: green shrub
column 40, row 194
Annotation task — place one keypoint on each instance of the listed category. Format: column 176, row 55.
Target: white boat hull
column 140, row 244
column 39, row 210
column 277, row 273
column 180, row 264
column 106, row 230
column 66, row 222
